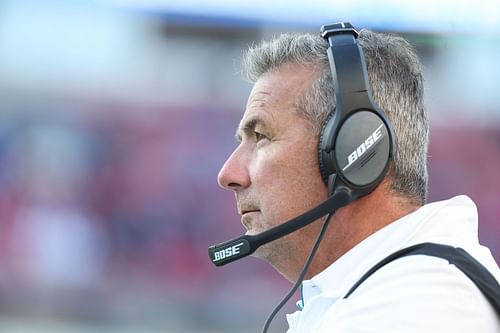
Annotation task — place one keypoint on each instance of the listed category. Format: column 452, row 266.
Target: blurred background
column 115, row 117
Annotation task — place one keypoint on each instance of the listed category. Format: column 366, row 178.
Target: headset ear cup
column 322, row 154
column 363, row 149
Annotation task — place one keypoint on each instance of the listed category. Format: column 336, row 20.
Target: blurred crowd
column 108, row 201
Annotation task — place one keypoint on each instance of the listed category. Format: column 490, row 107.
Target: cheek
column 277, row 167
column 287, row 181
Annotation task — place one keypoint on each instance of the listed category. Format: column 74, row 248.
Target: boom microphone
column 245, row 245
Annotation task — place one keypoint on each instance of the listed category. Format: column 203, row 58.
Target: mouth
column 246, row 218
column 243, row 212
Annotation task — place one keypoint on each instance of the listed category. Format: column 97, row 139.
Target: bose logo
column 226, row 253
column 370, row 141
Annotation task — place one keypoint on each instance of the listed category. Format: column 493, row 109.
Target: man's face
column 274, row 170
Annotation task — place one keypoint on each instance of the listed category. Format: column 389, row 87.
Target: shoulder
column 414, row 294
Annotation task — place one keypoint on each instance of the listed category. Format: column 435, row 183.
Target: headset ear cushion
column 322, row 155
column 363, row 149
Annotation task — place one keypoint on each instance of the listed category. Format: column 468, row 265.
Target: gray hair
column 396, row 80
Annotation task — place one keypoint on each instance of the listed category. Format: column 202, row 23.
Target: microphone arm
column 229, row 251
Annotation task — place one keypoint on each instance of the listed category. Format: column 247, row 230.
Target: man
column 275, row 175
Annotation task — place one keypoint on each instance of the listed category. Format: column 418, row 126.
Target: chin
column 267, row 252
column 260, row 253
column 252, row 233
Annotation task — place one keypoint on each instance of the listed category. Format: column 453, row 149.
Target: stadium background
column 115, row 117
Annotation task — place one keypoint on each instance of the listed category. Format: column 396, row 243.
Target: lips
column 247, row 218
column 246, row 208
column 243, row 212
column 248, row 211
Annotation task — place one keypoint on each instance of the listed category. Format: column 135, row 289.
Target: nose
column 234, row 173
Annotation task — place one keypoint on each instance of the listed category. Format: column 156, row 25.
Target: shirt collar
column 340, row 275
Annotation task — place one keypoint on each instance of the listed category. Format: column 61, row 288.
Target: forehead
column 275, row 94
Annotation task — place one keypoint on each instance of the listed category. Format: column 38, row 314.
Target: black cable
column 302, row 274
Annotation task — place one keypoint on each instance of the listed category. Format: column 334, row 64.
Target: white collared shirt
column 411, row 294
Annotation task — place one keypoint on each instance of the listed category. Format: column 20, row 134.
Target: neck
column 357, row 221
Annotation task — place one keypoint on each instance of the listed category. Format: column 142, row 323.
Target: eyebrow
column 249, row 126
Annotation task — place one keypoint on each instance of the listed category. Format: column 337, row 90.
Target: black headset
column 357, row 142
column 355, row 148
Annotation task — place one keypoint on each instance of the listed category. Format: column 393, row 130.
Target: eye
column 259, row 136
